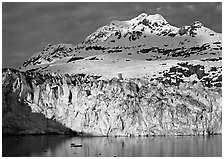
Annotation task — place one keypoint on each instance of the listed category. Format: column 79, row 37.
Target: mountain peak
column 157, row 18
column 197, row 24
column 142, row 15
column 151, row 18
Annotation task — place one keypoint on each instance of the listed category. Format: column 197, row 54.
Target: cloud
column 191, row 7
column 219, row 8
column 28, row 27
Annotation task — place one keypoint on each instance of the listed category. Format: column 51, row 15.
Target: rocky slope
column 136, row 77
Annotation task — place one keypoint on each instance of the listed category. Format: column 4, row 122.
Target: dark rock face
column 50, row 53
column 43, row 103
column 18, row 115
column 177, row 74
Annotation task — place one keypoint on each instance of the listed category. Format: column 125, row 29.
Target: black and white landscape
column 139, row 77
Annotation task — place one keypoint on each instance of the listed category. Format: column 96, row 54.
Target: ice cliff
column 88, row 105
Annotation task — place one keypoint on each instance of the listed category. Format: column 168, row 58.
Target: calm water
column 121, row 146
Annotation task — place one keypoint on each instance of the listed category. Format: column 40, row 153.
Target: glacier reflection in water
column 120, row 146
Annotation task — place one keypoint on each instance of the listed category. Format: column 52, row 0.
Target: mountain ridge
column 130, row 41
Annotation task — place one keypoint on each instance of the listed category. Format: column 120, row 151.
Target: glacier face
column 115, row 107
column 128, row 78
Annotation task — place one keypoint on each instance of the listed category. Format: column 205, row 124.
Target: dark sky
column 28, row 27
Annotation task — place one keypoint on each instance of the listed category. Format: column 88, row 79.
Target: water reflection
column 121, row 146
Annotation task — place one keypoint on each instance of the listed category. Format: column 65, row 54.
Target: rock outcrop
column 54, row 103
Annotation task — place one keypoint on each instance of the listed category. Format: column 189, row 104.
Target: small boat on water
column 74, row 145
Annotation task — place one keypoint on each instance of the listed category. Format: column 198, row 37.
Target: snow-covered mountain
column 131, row 47
column 139, row 76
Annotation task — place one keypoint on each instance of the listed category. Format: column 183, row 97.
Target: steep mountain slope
column 137, row 77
